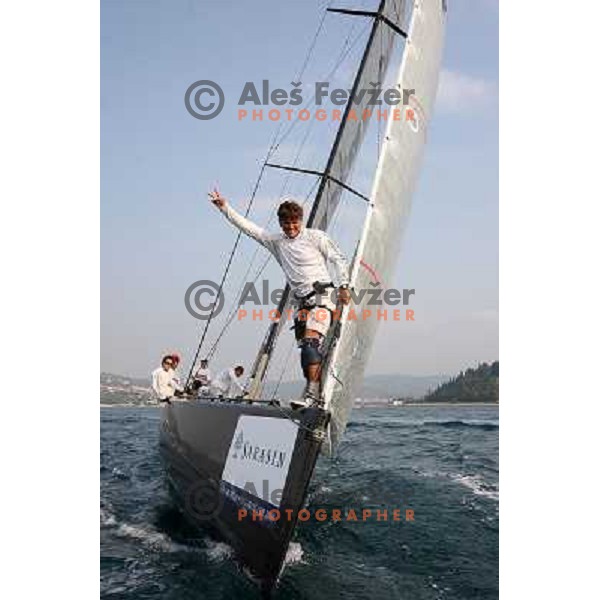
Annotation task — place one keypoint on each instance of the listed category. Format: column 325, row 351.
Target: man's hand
column 343, row 295
column 217, row 199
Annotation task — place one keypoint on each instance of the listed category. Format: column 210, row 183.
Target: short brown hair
column 290, row 210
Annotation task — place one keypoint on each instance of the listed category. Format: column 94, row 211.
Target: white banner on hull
column 259, row 456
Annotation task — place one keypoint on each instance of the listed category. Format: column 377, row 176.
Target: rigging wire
column 343, row 54
column 243, row 281
column 275, row 145
column 297, row 157
column 285, row 363
column 382, row 83
column 228, row 266
column 346, row 48
column 311, row 48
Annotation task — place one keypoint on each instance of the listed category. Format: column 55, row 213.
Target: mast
column 349, row 137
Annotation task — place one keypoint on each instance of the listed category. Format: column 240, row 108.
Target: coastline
column 357, row 407
column 430, row 405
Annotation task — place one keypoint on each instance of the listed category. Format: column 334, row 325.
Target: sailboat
column 242, row 467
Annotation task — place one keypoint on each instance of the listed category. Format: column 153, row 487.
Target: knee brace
column 310, row 352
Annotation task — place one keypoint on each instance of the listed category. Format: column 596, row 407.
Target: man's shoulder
column 316, row 234
column 159, row 374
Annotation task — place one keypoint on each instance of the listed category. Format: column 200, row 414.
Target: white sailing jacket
column 226, row 384
column 304, row 259
column 203, row 376
column 163, row 383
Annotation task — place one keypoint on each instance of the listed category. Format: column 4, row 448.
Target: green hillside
column 473, row 385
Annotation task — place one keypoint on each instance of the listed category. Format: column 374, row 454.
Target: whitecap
column 477, row 486
column 294, row 554
column 150, row 538
column 217, row 551
column 107, row 519
column 119, row 474
column 155, row 540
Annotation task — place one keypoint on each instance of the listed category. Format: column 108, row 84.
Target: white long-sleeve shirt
column 304, row 259
column 203, row 376
column 163, row 383
column 226, row 384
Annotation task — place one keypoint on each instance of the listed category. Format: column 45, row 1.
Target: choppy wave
column 152, row 539
column 107, row 519
column 441, row 462
column 476, row 484
column 487, row 425
column 476, row 423
column 217, row 551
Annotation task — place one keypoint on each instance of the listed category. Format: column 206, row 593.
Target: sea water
column 439, row 462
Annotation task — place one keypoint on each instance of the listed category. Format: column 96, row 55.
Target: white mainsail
column 393, row 187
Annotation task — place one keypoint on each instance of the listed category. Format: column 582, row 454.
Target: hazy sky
column 159, row 234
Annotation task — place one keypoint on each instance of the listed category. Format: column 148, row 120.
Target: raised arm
column 245, row 225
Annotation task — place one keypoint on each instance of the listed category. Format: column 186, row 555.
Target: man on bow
column 305, row 256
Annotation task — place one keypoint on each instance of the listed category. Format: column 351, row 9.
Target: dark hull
column 213, row 476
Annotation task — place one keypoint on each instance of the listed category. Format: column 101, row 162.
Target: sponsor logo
column 260, row 454
column 265, row 456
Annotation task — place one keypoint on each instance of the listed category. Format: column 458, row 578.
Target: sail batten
column 393, row 187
